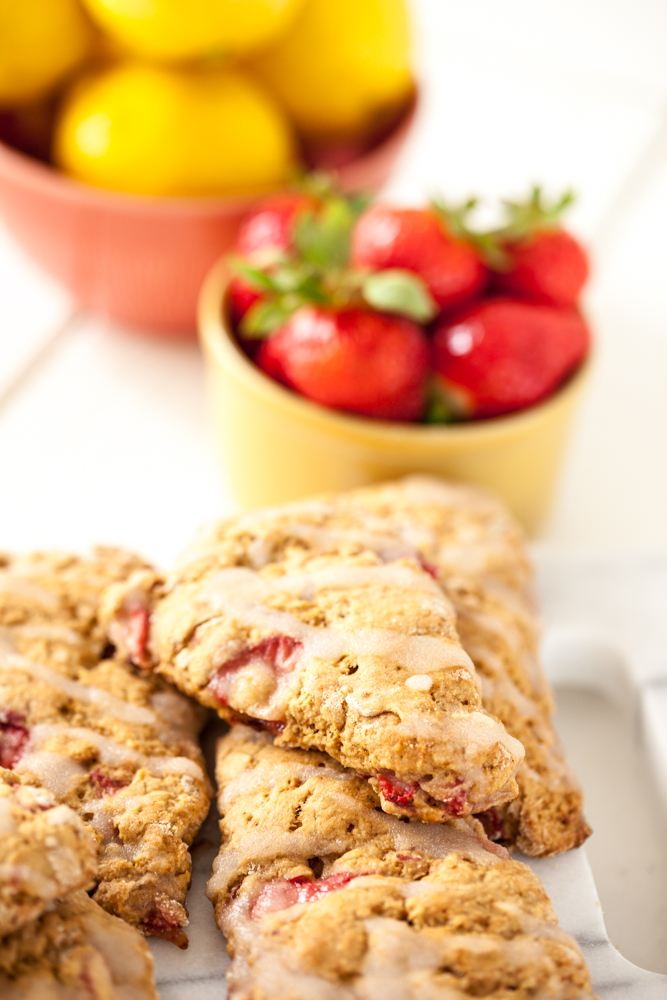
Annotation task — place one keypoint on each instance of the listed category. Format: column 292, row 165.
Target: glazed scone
column 330, row 645
column 117, row 747
column 477, row 553
column 323, row 897
column 77, row 951
column 46, row 852
column 50, row 601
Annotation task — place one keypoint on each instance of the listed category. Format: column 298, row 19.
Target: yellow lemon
column 185, row 29
column 158, row 131
column 342, row 66
column 41, row 41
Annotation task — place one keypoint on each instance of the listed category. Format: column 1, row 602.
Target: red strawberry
column 419, row 240
column 536, row 256
column 269, row 227
column 504, row 354
column 270, row 224
column 548, row 267
column 14, row 736
column 352, row 359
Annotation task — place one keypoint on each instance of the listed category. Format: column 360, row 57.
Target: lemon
column 158, row 131
column 41, row 41
column 342, row 66
column 184, row 29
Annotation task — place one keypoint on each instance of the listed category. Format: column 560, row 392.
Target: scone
column 322, row 895
column 76, row 951
column 118, row 748
column 328, row 644
column 477, row 553
column 46, row 852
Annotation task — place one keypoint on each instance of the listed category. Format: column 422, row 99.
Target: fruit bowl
column 141, row 260
column 276, row 446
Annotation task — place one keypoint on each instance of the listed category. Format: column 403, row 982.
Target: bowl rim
column 41, row 177
column 216, row 338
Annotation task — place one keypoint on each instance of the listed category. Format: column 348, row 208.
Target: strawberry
column 14, row 737
column 269, row 226
column 538, row 258
column 285, row 222
column 422, row 241
column 353, row 359
column 504, row 354
column 266, row 231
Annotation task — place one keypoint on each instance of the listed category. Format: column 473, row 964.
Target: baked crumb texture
column 321, row 621
column 46, row 852
column 76, row 951
column 324, row 897
column 299, row 620
column 477, row 553
column 117, row 747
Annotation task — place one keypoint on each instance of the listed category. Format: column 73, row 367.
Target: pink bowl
column 136, row 259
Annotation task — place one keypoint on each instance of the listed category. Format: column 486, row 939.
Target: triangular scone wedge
column 117, row 747
column 332, row 645
column 46, row 852
column 477, row 552
column 321, row 895
column 76, row 951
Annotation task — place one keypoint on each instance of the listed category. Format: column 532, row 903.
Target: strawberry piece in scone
column 326, row 643
column 118, row 748
column 478, row 554
column 320, row 894
column 46, row 852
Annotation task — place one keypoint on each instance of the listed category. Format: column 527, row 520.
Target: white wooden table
column 103, row 432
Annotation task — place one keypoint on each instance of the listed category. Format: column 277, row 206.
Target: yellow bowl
column 276, row 446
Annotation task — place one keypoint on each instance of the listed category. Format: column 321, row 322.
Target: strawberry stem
column 525, row 218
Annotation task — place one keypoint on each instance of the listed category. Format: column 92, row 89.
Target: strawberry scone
column 76, row 951
column 477, row 553
column 328, row 644
column 323, row 897
column 46, row 852
column 118, row 748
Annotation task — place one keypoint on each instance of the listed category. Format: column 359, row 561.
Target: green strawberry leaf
column 438, row 408
column 322, row 186
column 301, row 279
column 323, row 240
column 399, row 291
column 524, row 218
column 261, row 280
column 488, row 245
column 263, row 319
column 455, row 217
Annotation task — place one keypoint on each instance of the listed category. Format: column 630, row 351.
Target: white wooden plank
column 109, row 443
column 32, row 309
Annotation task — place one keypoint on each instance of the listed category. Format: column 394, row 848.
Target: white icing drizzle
column 56, row 771
column 306, row 585
column 107, row 703
column 240, row 593
column 419, row 682
column 399, row 959
column 388, row 547
column 48, row 630
column 13, row 582
column 267, row 777
column 8, row 821
column 266, row 841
